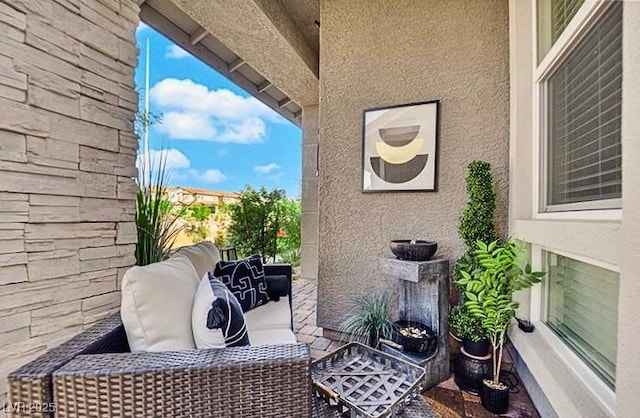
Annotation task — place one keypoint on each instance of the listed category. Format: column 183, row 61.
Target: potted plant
column 370, row 321
column 489, row 293
column 467, row 329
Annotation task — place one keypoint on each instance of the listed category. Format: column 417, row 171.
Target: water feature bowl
column 413, row 250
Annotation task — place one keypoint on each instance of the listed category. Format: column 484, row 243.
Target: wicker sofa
column 95, row 375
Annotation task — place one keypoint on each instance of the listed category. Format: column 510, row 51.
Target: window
column 582, row 117
column 582, row 309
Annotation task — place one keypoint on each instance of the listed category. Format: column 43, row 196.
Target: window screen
column 582, row 308
column 584, row 108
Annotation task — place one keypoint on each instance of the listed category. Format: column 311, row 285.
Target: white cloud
column 266, row 169
column 192, row 111
column 176, row 53
column 171, row 158
column 208, row 176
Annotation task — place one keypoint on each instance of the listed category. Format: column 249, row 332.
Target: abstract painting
column 400, row 148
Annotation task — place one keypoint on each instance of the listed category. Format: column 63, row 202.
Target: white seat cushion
column 203, row 256
column 156, row 305
column 272, row 337
column 273, row 315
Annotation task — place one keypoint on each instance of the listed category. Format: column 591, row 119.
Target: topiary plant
column 476, row 221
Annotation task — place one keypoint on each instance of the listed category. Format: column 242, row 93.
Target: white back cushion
column 156, row 305
column 203, row 256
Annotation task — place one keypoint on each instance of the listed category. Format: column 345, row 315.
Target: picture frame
column 400, row 148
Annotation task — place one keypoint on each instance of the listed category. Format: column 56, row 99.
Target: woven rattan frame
column 95, row 375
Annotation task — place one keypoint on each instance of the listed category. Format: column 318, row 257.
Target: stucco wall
column 67, row 160
column 379, row 53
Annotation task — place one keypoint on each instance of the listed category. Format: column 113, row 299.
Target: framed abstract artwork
column 400, row 148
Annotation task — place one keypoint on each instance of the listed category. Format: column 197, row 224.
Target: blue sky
column 215, row 135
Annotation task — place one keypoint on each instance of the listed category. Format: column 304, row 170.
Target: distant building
column 186, row 196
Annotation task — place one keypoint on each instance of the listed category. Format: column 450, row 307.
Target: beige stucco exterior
column 67, row 163
column 383, row 53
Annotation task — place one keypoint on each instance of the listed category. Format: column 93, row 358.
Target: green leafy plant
column 156, row 219
column 255, row 222
column 371, row 319
column 289, row 239
column 463, row 324
column 197, row 217
column 489, row 291
column 476, row 222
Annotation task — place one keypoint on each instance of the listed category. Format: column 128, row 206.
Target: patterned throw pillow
column 217, row 318
column 245, row 278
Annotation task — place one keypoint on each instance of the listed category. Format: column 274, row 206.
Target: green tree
column 289, row 241
column 256, row 221
column 198, row 218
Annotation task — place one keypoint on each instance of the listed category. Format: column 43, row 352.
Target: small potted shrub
column 370, row 321
column 489, row 296
column 467, row 329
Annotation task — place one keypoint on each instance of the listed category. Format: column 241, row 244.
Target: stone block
column 42, row 183
column 9, row 226
column 23, row 297
column 13, row 147
column 37, row 7
column 107, row 263
column 24, row 54
column 68, row 89
column 84, row 133
column 13, row 274
column 14, row 207
column 97, row 252
column 55, row 318
column 105, row 114
column 8, row 246
column 126, row 250
column 97, row 13
column 14, row 328
column 97, row 185
column 53, row 200
column 127, row 188
column 101, row 302
column 127, row 233
column 90, row 230
column 11, row 33
column 52, row 152
column 43, row 35
column 128, row 52
column 13, row 94
column 99, row 82
column 106, row 210
column 13, row 17
column 54, row 101
column 98, row 161
column 414, row 271
column 39, row 245
column 309, row 262
column 96, row 62
column 53, row 264
column 12, row 259
column 120, row 276
column 309, row 225
column 128, row 143
column 10, row 76
column 76, row 243
column 21, row 118
column 44, row 214
column 85, row 31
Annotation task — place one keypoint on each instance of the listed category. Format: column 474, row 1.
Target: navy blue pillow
column 245, row 278
column 226, row 315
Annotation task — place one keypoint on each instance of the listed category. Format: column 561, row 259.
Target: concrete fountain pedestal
column 423, row 296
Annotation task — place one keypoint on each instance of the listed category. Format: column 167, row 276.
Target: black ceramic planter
column 494, row 400
column 469, row 372
column 473, row 348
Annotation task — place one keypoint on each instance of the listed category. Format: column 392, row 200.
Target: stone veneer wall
column 67, row 163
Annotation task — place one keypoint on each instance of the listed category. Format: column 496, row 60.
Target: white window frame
column 599, row 389
column 584, row 20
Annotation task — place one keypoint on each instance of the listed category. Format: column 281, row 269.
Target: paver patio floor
column 446, row 393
